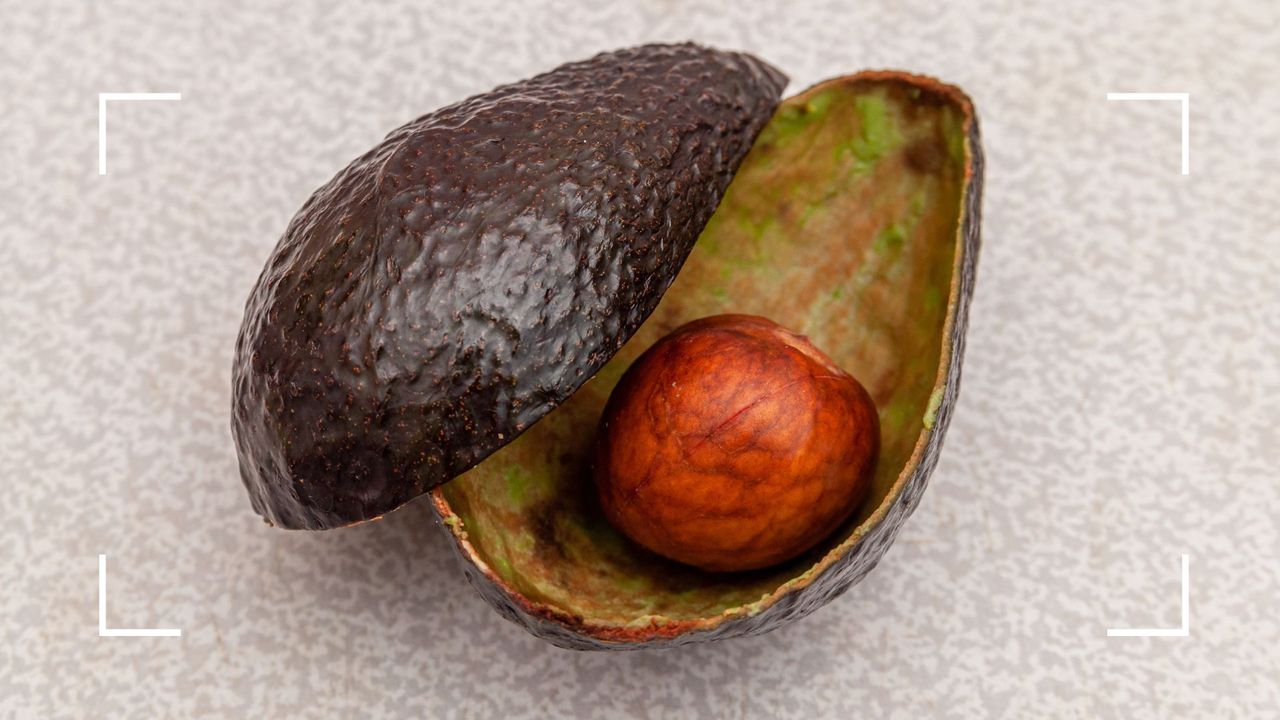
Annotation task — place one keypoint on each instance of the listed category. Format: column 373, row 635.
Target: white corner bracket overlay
column 1184, row 630
column 106, row 97
column 104, row 631
column 1185, row 99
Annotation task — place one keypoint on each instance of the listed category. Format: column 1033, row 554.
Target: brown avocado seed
column 733, row 444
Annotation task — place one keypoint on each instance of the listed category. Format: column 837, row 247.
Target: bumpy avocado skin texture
column 458, row 281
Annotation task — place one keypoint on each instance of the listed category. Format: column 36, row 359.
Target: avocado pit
column 734, row 444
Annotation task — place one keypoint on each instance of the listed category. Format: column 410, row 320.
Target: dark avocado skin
column 851, row 567
column 457, row 282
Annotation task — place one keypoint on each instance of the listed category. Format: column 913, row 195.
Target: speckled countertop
column 1120, row 404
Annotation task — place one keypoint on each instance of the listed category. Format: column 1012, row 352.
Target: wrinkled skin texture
column 461, row 279
column 734, row 444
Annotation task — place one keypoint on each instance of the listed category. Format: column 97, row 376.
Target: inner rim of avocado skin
column 841, row 224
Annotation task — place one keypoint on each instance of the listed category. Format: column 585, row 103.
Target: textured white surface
column 1120, row 403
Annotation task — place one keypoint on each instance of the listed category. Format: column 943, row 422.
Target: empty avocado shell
column 854, row 220
column 461, row 279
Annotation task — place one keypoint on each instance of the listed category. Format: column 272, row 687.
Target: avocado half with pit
column 450, row 313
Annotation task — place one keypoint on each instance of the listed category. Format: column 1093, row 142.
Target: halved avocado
column 457, row 282
column 854, row 220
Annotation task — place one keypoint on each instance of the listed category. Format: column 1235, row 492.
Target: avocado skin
column 457, row 282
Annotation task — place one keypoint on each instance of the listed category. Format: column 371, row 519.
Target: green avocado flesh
column 841, row 224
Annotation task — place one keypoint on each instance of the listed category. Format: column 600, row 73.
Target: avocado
column 854, row 220
column 456, row 283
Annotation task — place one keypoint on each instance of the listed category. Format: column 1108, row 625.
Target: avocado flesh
column 461, row 279
column 853, row 220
